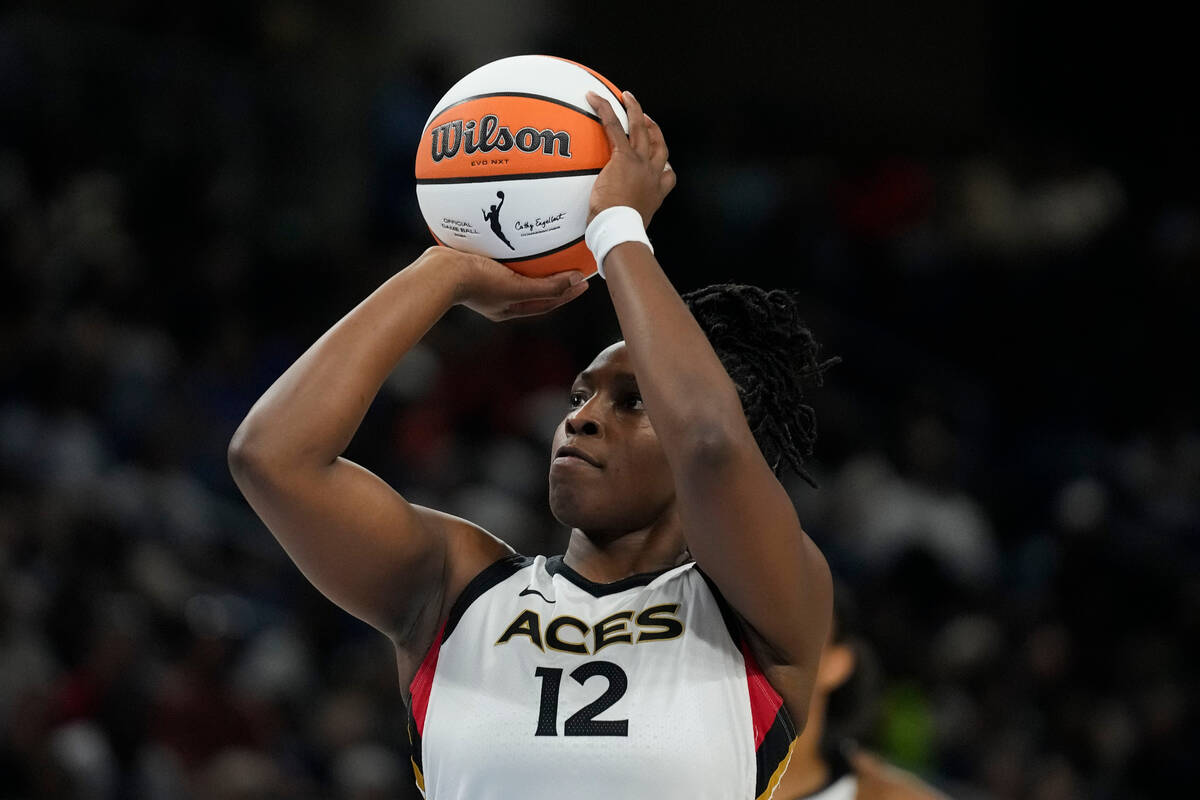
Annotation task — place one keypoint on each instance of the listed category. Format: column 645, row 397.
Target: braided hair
column 772, row 357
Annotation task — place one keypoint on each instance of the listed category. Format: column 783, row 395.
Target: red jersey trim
column 765, row 702
column 422, row 682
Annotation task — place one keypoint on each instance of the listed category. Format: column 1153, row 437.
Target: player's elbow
column 246, row 456
column 708, row 445
column 712, row 432
column 239, row 458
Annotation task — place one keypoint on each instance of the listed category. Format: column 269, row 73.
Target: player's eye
column 577, row 398
column 633, row 401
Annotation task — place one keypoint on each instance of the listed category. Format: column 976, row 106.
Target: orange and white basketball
column 508, row 159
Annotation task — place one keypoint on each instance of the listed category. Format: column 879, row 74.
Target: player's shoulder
column 470, row 552
column 879, row 780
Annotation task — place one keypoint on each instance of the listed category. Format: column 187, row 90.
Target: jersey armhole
column 422, row 682
column 774, row 731
column 488, row 577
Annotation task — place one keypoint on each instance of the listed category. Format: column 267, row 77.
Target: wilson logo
column 447, row 139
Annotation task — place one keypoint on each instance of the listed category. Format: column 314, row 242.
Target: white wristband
column 611, row 227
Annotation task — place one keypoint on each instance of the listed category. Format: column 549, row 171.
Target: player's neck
column 807, row 770
column 608, row 559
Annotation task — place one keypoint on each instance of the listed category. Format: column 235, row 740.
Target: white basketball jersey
column 543, row 684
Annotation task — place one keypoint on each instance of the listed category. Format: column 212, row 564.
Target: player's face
column 619, row 479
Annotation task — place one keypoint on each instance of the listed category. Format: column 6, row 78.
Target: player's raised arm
column 739, row 522
column 390, row 563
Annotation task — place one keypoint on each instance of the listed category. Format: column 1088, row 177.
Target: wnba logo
column 489, row 135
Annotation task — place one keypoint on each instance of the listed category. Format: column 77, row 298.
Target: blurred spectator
column 190, row 194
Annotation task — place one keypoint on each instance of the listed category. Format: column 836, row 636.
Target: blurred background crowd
column 991, row 215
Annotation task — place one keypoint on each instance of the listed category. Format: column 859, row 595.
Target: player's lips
column 569, row 452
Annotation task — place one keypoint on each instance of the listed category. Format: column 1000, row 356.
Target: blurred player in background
column 689, row 600
column 827, row 762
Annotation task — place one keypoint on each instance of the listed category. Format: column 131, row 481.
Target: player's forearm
column 310, row 414
column 689, row 397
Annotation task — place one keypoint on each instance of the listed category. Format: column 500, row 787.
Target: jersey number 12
column 583, row 721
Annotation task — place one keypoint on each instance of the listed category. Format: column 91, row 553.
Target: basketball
column 507, row 161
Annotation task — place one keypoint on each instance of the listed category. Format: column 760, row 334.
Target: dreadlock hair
column 772, row 357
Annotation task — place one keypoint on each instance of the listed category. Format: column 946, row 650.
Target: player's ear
column 837, row 665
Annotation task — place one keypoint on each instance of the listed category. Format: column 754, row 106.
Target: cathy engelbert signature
column 531, row 227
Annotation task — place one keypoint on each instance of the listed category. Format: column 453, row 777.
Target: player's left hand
column 637, row 173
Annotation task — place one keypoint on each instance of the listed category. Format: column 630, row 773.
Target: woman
column 826, row 762
column 671, row 652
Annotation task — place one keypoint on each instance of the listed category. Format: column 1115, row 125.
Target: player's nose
column 584, row 421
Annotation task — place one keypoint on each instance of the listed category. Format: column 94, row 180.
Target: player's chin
column 574, row 505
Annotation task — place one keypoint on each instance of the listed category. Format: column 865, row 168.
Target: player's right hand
column 637, row 174
column 489, row 288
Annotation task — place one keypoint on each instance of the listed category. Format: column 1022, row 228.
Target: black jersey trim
column 488, row 577
column 773, row 750
column 556, row 566
column 415, row 755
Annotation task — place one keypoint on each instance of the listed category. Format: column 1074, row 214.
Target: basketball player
column 826, row 763
column 672, row 651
